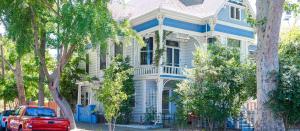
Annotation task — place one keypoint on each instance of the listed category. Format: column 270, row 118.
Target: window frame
column 103, row 59
column 173, row 48
column 148, row 52
column 235, row 11
column 240, row 43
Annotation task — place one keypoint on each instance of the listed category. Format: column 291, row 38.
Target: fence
column 175, row 122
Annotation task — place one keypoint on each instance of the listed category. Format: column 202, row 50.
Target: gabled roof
column 197, row 8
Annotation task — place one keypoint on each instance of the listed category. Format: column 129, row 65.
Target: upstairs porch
column 167, row 53
column 161, row 71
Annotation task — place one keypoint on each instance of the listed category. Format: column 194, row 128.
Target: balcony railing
column 172, row 70
column 145, row 70
column 153, row 70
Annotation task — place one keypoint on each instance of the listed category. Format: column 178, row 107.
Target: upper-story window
column 235, row 13
column 147, row 52
column 102, row 58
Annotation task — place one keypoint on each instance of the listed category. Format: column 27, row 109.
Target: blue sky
column 1, row 29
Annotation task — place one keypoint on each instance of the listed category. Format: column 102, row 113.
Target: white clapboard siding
column 186, row 53
column 93, row 63
column 128, row 52
column 140, row 91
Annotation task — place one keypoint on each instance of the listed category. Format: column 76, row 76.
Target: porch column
column 159, row 99
column 79, row 95
column 161, row 42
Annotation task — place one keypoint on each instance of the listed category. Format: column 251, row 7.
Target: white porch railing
column 145, row 70
column 152, row 70
column 172, row 70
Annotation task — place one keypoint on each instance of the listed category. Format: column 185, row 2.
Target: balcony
column 163, row 71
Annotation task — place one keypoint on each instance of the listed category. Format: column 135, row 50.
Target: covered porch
column 168, row 51
column 155, row 105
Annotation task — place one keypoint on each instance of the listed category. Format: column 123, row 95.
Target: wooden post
column 159, row 99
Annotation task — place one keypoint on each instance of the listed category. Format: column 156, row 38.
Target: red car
column 28, row 118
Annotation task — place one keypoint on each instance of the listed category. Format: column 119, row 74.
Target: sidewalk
column 102, row 127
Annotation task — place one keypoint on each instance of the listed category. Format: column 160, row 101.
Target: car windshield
column 40, row 112
column 8, row 112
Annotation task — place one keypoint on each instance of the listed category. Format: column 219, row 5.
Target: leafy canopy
column 217, row 86
column 112, row 93
column 285, row 101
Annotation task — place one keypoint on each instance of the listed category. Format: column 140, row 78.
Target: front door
column 173, row 53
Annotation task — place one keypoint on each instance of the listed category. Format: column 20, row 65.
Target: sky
column 1, row 29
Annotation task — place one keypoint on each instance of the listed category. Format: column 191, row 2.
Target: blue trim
column 234, row 31
column 146, row 25
column 194, row 27
column 171, row 76
column 185, row 25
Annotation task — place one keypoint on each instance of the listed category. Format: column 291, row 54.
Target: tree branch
column 9, row 64
column 5, row 25
column 48, row 5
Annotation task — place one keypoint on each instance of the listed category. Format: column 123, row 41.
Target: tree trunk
column 41, row 97
column 62, row 103
column 20, row 82
column 110, row 126
column 4, row 104
column 2, row 62
column 269, row 13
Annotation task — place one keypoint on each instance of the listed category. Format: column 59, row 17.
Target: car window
column 8, row 112
column 17, row 112
column 40, row 112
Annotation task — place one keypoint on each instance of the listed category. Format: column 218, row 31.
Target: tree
column 285, row 99
column 217, row 87
column 71, row 74
column 14, row 64
column 67, row 25
column 269, row 13
column 112, row 94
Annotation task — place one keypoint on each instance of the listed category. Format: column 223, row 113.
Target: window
column 165, row 101
column 17, row 112
column 118, row 49
column 87, row 63
column 40, row 112
column 132, row 100
column 86, row 98
column 103, row 59
column 146, row 57
column 235, row 13
column 212, row 40
column 173, row 53
column 233, row 43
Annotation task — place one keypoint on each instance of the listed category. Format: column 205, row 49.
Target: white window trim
column 235, row 13
column 151, row 51
column 173, row 47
